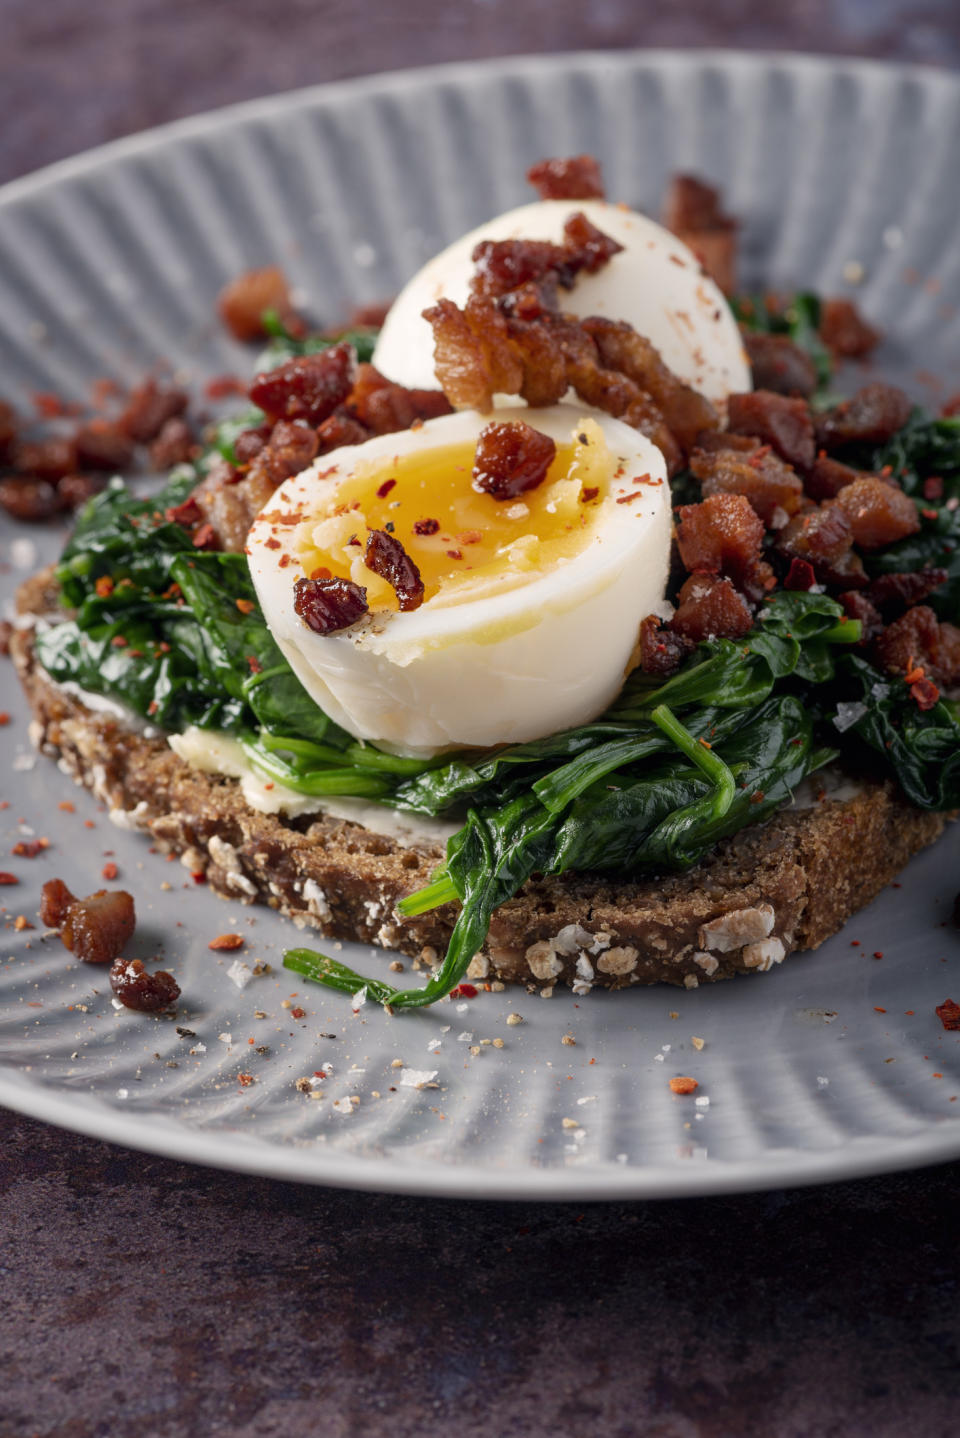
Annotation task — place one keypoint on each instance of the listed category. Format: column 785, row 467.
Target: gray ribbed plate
column 835, row 1064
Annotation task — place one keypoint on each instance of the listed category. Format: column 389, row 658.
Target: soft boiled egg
column 655, row 283
column 531, row 604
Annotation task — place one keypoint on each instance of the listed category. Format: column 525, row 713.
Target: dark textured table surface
column 143, row 1297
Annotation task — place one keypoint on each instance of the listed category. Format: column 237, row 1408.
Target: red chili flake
column 758, row 797
column 109, row 871
column 271, row 543
column 878, row 953
column 205, row 537
column 283, row 561
column 198, row 876
column 30, row 848
column 321, row 572
column 877, row 1010
column 245, row 1080
column 854, row 943
column 626, row 498
column 246, row 606
column 925, row 693
column 385, row 488
column 470, row 536
column 930, row 513
column 933, row 487
column 426, row 526
column 119, row 642
column 153, row 706
column 68, row 806
column 454, row 554
column 588, row 493
column 463, row 991
column 684, row 1084
column 104, row 586
column 8, row 878
column 949, row 1014
column 254, row 664
column 298, row 1013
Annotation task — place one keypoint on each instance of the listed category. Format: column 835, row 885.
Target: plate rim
column 455, row 71
column 228, row 1148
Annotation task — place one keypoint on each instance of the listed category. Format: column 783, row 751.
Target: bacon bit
column 109, row 871
column 246, row 606
column 684, row 1084
column 226, row 941
column 224, row 385
column 298, row 1013
column 925, row 693
column 8, row 878
column 385, row 488
column 255, row 666
column 588, row 493
column 30, row 848
column 463, row 991
column 949, row 1014
column 426, row 526
column 800, row 575
column 386, row 557
column 104, row 586
column 119, row 642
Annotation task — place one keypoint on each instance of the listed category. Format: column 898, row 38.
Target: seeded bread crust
column 771, row 890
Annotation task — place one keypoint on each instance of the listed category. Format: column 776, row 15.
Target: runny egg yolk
column 465, row 543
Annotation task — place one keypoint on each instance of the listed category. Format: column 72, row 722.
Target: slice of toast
column 773, row 889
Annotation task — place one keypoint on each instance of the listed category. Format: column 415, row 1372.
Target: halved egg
column 655, row 283
column 531, row 603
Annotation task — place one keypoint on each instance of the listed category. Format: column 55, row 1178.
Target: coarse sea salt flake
column 848, row 714
column 343, row 1105
column 359, row 999
column 702, row 1102
column 433, row 1045
column 240, row 974
column 225, row 1038
column 416, row 1078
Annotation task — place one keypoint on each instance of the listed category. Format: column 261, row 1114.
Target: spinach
column 925, row 448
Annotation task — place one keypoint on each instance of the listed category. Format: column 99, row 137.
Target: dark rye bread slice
column 774, row 888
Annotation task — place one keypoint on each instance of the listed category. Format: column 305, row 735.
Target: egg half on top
column 655, row 283
column 531, row 604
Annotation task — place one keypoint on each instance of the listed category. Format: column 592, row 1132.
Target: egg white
column 508, row 667
column 656, row 284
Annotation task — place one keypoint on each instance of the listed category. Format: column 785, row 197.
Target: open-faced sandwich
column 582, row 636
